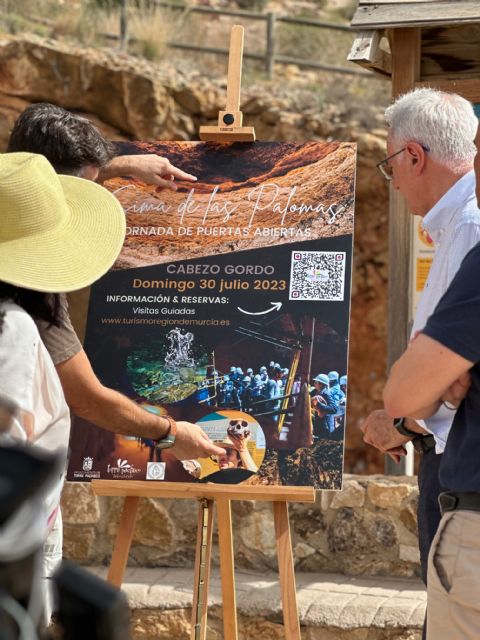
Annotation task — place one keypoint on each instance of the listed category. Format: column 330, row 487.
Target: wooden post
column 270, row 53
column 229, row 128
column 405, row 45
column 123, row 41
column 234, row 76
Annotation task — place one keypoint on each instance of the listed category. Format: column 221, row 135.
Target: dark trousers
column 428, row 514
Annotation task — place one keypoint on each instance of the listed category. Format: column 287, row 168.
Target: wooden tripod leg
column 202, row 570
column 286, row 571
column 123, row 541
column 225, row 543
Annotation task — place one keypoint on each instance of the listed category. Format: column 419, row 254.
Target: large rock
column 257, row 531
column 95, row 81
column 388, row 496
column 79, row 504
column 352, row 495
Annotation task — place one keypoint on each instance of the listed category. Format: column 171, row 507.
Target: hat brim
column 226, row 443
column 74, row 254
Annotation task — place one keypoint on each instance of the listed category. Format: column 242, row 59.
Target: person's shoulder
column 473, row 257
column 473, row 254
column 469, row 213
column 17, row 324
column 466, row 279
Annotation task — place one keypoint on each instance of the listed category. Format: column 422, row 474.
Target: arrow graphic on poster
column 275, row 306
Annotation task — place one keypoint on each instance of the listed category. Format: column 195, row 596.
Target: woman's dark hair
column 41, row 306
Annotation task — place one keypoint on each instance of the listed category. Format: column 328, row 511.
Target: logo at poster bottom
column 155, row 471
column 123, row 470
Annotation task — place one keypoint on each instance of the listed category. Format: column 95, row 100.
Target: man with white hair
column 442, row 365
column 430, row 153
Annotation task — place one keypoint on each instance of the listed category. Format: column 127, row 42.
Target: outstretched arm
column 106, row 408
column 149, row 168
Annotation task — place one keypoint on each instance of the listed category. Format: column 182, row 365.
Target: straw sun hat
column 57, row 233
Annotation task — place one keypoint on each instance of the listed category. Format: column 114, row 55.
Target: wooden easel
column 221, row 497
column 216, row 496
column 230, row 121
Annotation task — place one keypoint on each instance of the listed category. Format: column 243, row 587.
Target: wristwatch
column 400, row 426
column 422, row 442
column 169, row 439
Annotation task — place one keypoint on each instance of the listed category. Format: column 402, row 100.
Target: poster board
column 249, row 268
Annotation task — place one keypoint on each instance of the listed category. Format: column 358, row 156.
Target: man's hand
column 149, row 168
column 154, row 169
column 378, row 431
column 192, row 442
column 458, row 390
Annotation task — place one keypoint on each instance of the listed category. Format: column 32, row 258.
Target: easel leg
column 202, row 570
column 123, row 541
column 286, row 571
column 225, row 543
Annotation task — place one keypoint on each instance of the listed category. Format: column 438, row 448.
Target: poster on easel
column 229, row 307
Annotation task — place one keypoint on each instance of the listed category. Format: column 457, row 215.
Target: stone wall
column 367, row 529
column 130, row 98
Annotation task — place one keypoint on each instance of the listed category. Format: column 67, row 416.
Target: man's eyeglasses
column 386, row 168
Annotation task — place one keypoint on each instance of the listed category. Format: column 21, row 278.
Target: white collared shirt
column 454, row 226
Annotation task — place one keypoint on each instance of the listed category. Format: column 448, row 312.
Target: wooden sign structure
column 230, row 122
column 221, row 497
column 216, row 496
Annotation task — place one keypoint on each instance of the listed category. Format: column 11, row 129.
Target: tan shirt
column 62, row 342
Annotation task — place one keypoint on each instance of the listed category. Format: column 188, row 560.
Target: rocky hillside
column 129, row 98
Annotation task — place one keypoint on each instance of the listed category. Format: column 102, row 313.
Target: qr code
column 317, row 275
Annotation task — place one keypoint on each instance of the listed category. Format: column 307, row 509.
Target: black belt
column 465, row 501
column 423, row 444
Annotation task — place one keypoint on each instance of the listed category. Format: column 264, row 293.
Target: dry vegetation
column 151, row 28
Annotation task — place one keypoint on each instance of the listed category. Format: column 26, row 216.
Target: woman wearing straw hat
column 52, row 239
